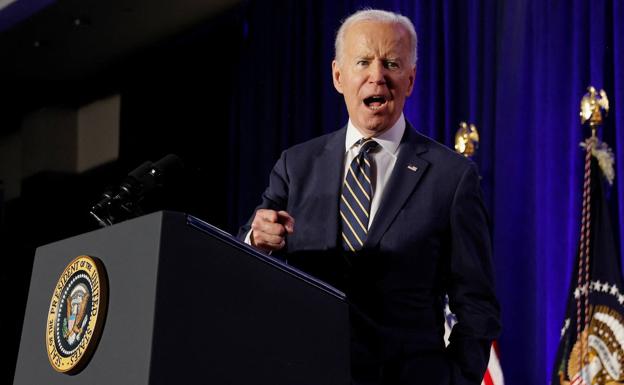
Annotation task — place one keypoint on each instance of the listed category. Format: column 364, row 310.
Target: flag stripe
column 487, row 379
column 494, row 369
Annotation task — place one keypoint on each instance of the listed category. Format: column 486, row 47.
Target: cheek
column 351, row 92
column 353, row 83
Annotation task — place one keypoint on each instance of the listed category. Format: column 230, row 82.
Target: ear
column 412, row 78
column 336, row 76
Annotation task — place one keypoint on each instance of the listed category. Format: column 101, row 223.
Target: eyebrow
column 385, row 59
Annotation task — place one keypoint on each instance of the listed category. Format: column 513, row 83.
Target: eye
column 391, row 64
column 362, row 63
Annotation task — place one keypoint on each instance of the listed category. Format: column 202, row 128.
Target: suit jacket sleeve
column 470, row 286
column 275, row 197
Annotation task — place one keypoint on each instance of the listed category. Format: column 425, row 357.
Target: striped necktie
column 355, row 201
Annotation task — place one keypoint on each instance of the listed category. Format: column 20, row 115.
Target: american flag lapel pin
column 411, row 167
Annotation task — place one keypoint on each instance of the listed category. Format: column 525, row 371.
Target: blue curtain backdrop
column 517, row 69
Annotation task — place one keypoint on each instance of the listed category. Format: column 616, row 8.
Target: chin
column 377, row 124
column 376, row 129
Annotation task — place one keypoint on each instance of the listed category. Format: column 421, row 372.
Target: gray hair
column 379, row 16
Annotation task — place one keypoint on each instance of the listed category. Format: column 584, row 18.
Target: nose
column 377, row 73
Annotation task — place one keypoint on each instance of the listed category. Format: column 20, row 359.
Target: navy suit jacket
column 430, row 237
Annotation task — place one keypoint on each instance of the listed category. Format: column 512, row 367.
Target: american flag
column 592, row 343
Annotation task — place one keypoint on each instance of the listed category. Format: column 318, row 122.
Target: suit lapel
column 330, row 166
column 408, row 170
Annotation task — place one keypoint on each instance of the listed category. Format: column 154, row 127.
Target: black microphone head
column 169, row 163
column 168, row 170
column 140, row 172
column 126, row 201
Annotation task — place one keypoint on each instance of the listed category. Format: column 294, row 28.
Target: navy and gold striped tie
column 355, row 201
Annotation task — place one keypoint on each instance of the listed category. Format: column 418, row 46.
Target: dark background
column 229, row 85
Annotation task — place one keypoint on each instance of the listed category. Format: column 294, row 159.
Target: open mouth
column 375, row 102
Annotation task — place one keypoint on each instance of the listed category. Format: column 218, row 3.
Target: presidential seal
column 604, row 347
column 76, row 315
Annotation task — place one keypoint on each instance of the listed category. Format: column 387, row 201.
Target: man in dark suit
column 391, row 217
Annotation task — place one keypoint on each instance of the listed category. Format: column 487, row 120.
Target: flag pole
column 591, row 114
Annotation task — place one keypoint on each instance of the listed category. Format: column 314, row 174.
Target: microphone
column 123, row 203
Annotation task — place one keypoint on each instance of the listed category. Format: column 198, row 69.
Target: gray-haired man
column 396, row 224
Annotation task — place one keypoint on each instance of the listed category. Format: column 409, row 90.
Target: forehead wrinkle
column 366, row 45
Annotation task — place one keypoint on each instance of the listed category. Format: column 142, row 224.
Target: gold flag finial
column 592, row 107
column 466, row 139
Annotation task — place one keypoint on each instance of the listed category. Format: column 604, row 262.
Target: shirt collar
column 389, row 140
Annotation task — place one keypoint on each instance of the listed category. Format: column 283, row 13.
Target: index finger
column 268, row 215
